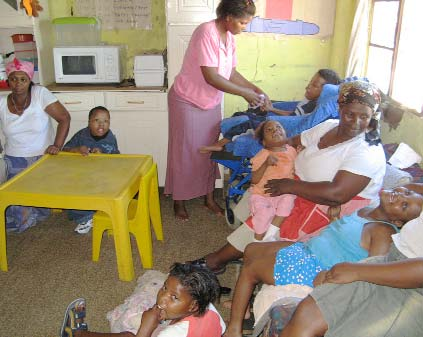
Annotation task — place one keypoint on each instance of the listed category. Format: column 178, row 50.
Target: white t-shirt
column 355, row 156
column 409, row 239
column 31, row 133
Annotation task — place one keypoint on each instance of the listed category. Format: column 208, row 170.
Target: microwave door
column 79, row 65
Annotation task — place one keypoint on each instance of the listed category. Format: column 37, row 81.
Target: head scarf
column 360, row 92
column 17, row 65
column 409, row 239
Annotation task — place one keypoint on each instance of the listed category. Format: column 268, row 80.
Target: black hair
column 330, row 76
column 201, row 283
column 235, row 8
column 259, row 133
column 101, row 108
column 372, row 137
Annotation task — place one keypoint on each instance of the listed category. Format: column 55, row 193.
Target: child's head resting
column 187, row 291
column 400, row 205
column 322, row 77
column 99, row 121
column 270, row 133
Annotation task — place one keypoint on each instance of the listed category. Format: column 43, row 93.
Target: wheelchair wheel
column 232, row 221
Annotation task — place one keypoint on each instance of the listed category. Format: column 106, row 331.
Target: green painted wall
column 283, row 66
column 137, row 40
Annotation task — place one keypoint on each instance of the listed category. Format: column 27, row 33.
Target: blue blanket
column 327, row 108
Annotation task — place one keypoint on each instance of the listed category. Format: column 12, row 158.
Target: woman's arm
column 235, row 85
column 402, row 274
column 57, row 111
column 341, row 189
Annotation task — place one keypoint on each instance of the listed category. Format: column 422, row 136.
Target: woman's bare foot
column 211, row 148
column 214, row 207
column 180, row 210
column 228, row 305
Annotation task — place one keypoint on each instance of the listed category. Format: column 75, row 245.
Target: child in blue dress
column 95, row 138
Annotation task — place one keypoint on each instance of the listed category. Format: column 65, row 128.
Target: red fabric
column 204, row 326
column 307, row 218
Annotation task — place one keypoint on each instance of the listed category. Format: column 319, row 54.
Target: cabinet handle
column 135, row 102
column 74, row 102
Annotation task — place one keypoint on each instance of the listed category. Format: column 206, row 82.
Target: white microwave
column 88, row 64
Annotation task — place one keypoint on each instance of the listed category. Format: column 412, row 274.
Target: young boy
column 96, row 138
column 183, row 309
column 352, row 238
column 251, row 118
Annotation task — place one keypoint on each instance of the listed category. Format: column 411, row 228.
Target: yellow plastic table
column 95, row 182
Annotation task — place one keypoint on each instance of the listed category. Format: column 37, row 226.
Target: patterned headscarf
column 360, row 92
column 17, row 65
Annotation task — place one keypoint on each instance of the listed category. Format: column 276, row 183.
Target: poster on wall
column 294, row 17
column 117, row 14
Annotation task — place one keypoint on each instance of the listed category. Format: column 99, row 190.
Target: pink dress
column 195, row 114
column 263, row 207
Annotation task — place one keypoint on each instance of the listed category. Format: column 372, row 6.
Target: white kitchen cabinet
column 138, row 119
column 191, row 11
column 79, row 104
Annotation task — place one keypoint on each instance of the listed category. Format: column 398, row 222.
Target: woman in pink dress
column 208, row 70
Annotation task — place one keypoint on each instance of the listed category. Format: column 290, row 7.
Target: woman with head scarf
column 25, row 121
column 342, row 164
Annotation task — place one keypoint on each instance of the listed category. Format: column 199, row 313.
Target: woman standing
column 25, row 121
column 208, row 70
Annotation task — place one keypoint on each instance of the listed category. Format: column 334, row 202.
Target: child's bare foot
column 211, row 148
column 228, row 305
column 214, row 207
column 180, row 210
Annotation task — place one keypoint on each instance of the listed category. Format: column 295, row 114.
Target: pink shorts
column 264, row 208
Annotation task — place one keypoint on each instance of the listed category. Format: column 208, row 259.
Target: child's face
column 174, row 301
column 314, row 87
column 273, row 133
column 401, row 204
column 99, row 123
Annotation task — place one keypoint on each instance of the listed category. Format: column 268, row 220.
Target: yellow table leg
column 122, row 241
column 3, row 254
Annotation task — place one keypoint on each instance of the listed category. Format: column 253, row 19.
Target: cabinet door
column 139, row 121
column 191, row 11
column 177, row 43
column 79, row 104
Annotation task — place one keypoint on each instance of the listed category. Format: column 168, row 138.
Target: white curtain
column 357, row 50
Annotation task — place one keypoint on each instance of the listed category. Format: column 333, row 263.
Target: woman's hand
column 253, row 98
column 342, row 273
column 276, row 187
column 52, row 149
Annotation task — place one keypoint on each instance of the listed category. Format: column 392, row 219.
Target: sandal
column 203, row 264
column 74, row 318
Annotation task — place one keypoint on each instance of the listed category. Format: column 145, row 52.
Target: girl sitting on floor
column 183, row 309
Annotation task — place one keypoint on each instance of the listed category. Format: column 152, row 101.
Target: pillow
column 395, row 177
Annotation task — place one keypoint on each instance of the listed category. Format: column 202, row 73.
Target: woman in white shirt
column 25, row 121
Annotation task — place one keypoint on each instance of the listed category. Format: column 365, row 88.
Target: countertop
column 101, row 87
